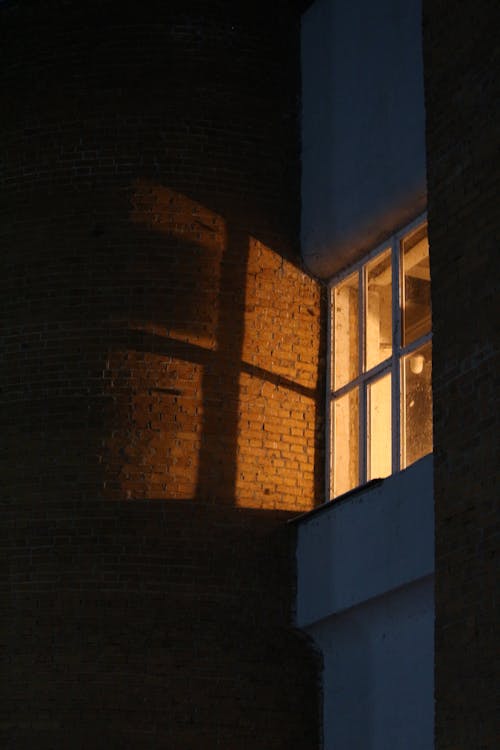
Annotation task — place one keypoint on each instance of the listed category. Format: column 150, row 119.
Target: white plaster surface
column 365, row 568
column 378, row 672
column 363, row 127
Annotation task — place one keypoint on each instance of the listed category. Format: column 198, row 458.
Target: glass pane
column 346, row 442
column 416, row 291
column 416, row 405
column 378, row 309
column 345, row 331
column 379, row 428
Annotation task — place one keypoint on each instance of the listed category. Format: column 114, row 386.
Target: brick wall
column 140, row 625
column 462, row 95
column 161, row 353
column 150, row 201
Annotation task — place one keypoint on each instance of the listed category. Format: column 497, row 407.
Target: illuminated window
column 380, row 373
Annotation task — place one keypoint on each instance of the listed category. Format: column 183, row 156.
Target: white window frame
column 391, row 364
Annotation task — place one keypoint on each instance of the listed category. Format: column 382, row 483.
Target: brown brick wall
column 140, row 625
column 150, row 197
column 161, row 351
column 462, row 95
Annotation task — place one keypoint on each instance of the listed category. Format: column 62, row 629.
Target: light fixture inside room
column 417, row 364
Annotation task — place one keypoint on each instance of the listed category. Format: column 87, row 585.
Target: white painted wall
column 363, row 127
column 378, row 674
column 365, row 594
column 365, row 563
column 372, row 542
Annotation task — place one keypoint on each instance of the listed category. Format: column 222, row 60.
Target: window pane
column 346, row 442
column 416, row 291
column 345, row 331
column 379, row 428
column 378, row 309
column 416, row 405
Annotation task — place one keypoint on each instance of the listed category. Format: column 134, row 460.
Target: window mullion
column 363, row 426
column 352, row 386
column 415, row 344
column 372, row 374
column 396, row 348
column 329, row 427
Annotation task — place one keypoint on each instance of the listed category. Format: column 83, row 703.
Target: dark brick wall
column 161, row 349
column 149, row 216
column 141, row 625
column 462, row 96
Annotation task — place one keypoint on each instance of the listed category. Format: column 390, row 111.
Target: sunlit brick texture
column 161, row 379
column 155, row 309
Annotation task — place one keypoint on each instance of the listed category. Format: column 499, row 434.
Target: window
column 380, row 366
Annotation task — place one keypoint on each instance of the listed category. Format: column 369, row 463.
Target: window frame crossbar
column 391, row 364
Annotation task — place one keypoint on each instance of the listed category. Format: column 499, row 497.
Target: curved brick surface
column 161, row 354
column 150, row 201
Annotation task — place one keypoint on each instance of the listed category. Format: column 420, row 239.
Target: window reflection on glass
column 346, row 351
column 378, row 309
column 416, row 405
column 379, row 428
column 416, row 287
column 346, row 442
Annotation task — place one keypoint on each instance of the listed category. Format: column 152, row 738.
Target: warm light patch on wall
column 281, row 317
column 164, row 210
column 195, row 239
column 156, row 384
column 205, row 341
column 275, row 457
column 216, row 394
column 156, row 451
column 278, row 398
